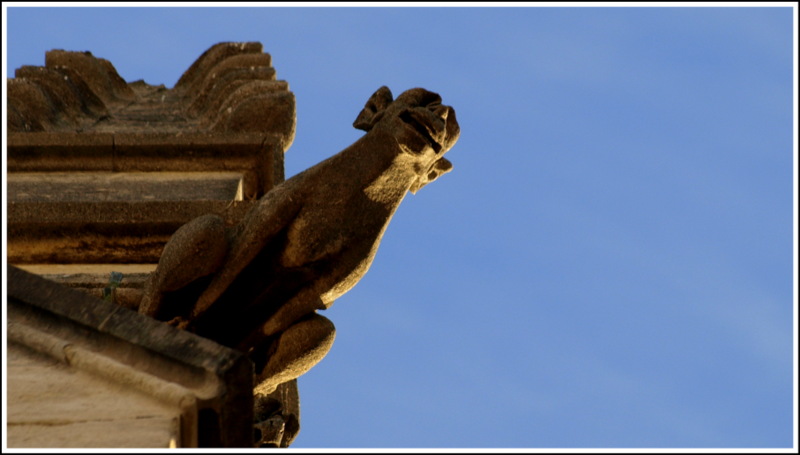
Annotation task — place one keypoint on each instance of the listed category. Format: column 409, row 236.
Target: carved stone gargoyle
column 256, row 287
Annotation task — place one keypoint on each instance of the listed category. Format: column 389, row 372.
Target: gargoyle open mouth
column 421, row 127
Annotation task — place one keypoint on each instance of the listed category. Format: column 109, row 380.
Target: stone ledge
column 259, row 157
column 94, row 279
column 103, row 232
column 230, row 143
column 123, row 186
column 23, row 216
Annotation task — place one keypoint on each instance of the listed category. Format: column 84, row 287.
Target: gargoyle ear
column 440, row 167
column 373, row 110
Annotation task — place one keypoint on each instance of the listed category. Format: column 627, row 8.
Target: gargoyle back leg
column 196, row 249
column 270, row 216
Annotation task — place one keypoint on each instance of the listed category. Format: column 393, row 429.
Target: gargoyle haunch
column 256, row 287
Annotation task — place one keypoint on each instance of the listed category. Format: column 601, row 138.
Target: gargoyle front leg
column 197, row 249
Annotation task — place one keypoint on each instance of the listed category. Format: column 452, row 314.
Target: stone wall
column 101, row 172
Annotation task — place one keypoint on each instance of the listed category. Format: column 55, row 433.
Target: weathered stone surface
column 313, row 237
column 210, row 58
column 277, row 416
column 188, row 152
column 103, row 232
column 58, row 151
column 275, row 110
column 87, row 121
column 238, row 91
column 86, row 221
column 236, row 67
column 123, row 186
column 110, row 213
column 62, row 94
column 260, row 60
column 206, row 101
column 95, row 280
column 87, row 118
column 78, row 92
column 29, row 107
column 218, row 85
column 297, row 349
column 47, row 270
column 94, row 106
column 99, row 74
column 204, row 388
column 199, row 248
column 87, row 412
column 249, row 274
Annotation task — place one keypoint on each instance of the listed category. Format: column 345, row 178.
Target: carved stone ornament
column 257, row 286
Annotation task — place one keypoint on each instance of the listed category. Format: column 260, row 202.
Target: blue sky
column 610, row 263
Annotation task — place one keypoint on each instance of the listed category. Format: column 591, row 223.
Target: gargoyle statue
column 256, row 286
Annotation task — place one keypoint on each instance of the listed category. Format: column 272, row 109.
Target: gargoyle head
column 421, row 124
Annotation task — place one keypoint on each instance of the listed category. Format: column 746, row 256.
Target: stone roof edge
column 232, row 87
column 104, row 335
